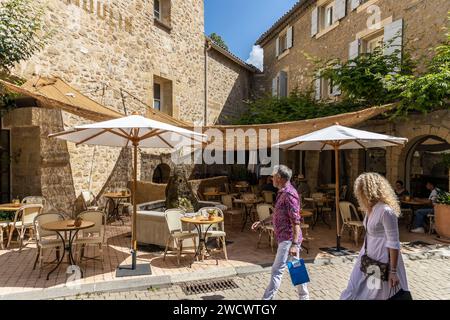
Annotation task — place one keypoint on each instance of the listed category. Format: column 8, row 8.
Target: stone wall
column 229, row 85
column 111, row 50
column 424, row 21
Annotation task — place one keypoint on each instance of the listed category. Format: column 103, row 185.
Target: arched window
column 161, row 174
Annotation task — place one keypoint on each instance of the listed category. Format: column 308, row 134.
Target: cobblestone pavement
column 429, row 279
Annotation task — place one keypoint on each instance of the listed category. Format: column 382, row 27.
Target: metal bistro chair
column 94, row 236
column 46, row 239
column 264, row 211
column 231, row 211
column 176, row 233
column 216, row 231
column 345, row 209
column 23, row 221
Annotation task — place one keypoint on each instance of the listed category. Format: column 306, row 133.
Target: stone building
column 130, row 56
column 343, row 29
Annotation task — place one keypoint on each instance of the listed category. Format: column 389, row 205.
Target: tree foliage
column 21, row 32
column 218, row 40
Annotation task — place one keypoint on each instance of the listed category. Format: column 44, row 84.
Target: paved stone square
column 429, row 279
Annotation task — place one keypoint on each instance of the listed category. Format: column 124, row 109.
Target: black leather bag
column 400, row 295
column 367, row 263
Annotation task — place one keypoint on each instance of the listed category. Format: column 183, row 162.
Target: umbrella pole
column 338, row 234
column 133, row 196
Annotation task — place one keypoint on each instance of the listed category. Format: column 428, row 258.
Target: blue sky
column 241, row 22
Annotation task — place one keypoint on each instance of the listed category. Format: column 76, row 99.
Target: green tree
column 218, row 40
column 21, row 32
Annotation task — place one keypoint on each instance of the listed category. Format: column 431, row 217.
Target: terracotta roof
column 231, row 56
column 292, row 129
column 283, row 19
column 54, row 93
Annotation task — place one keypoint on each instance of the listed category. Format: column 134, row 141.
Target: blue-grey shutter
column 275, row 87
column 354, row 4
column 314, row 22
column 290, row 37
column 283, row 84
column 353, row 51
column 393, row 37
column 277, row 47
column 336, row 88
column 318, row 87
column 340, row 9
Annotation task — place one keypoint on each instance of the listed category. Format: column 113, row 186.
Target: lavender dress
column 382, row 233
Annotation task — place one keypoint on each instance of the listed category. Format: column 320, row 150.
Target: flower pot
column 442, row 220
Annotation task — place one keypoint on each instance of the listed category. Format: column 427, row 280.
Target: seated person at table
column 400, row 190
column 421, row 214
column 269, row 185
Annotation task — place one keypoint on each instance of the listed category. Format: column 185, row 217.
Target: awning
column 287, row 130
column 54, row 93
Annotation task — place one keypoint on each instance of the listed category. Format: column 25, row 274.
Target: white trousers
column 278, row 267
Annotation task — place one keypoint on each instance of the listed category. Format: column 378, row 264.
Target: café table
column 242, row 187
column 199, row 223
column 213, row 194
column 319, row 204
column 116, row 198
column 66, row 226
column 415, row 204
column 10, row 208
column 248, row 206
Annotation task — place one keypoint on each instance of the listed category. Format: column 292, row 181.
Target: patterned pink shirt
column 286, row 213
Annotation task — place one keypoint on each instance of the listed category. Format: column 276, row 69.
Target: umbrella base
column 335, row 252
column 128, row 271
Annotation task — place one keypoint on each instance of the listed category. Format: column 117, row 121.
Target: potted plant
column 442, row 214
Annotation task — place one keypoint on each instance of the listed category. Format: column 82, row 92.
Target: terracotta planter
column 442, row 220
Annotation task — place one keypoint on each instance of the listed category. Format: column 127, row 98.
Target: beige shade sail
column 286, row 130
column 55, row 93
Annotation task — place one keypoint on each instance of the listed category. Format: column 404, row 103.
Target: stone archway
column 407, row 167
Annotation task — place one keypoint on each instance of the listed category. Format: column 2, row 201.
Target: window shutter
column 393, row 37
column 277, row 47
column 275, row 87
column 336, row 88
column 314, row 22
column 353, row 49
column 290, row 37
column 318, row 87
column 283, row 84
column 340, row 8
column 355, row 4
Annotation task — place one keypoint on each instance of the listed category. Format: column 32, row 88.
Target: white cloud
column 256, row 57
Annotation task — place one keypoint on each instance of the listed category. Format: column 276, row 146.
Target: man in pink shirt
column 286, row 222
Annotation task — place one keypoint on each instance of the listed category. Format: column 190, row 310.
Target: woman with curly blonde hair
column 379, row 269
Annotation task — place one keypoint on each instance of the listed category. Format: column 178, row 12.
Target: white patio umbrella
column 136, row 131
column 337, row 138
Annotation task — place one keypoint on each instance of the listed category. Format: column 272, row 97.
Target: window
column 162, row 95
column 157, row 96
column 280, row 85
column 285, row 41
column 157, row 9
column 370, row 44
column 162, row 14
column 328, row 15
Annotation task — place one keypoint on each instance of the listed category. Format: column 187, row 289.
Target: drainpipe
column 205, row 111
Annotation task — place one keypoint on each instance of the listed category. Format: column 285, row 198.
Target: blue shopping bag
column 298, row 272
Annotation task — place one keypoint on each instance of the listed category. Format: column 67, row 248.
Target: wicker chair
column 345, row 209
column 94, row 236
column 46, row 239
column 231, row 211
column 217, row 231
column 23, row 222
column 264, row 211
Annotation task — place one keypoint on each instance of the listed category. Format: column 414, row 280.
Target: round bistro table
column 199, row 222
column 66, row 226
column 117, row 198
